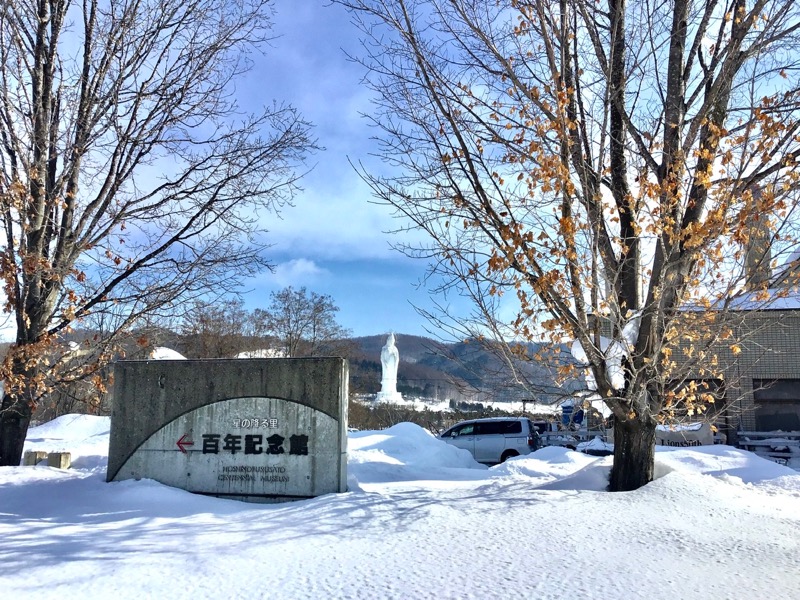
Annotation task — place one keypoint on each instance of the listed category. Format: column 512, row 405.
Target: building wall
column 770, row 351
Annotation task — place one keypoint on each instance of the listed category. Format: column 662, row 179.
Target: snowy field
column 422, row 520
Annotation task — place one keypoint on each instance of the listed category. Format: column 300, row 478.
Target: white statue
column 390, row 358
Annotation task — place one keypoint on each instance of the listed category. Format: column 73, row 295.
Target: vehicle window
column 490, row 428
column 456, row 430
column 512, row 426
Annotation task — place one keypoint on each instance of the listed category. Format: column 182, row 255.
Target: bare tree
column 602, row 167
column 131, row 181
column 303, row 322
column 215, row 330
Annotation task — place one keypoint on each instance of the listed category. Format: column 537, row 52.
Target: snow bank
column 70, row 428
column 546, row 464
column 161, row 353
column 405, row 452
column 722, row 461
column 717, row 523
column 85, row 437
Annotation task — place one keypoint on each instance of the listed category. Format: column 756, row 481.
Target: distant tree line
column 374, row 416
column 377, row 416
column 297, row 323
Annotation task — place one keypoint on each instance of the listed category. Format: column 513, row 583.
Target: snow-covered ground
column 422, row 520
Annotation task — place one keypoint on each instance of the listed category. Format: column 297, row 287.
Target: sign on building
column 691, row 434
column 263, row 430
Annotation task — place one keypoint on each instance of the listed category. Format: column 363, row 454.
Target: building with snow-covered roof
column 760, row 388
column 753, row 374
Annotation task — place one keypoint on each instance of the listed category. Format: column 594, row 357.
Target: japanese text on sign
column 254, row 444
column 255, row 423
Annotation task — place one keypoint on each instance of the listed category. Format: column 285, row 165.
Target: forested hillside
column 466, row 370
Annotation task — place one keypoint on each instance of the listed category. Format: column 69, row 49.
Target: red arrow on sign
column 184, row 442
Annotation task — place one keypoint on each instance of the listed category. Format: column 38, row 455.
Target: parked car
column 495, row 439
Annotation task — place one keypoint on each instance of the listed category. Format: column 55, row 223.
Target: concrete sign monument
column 263, row 430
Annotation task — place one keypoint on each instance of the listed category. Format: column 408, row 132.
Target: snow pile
column 405, row 452
column 161, row 353
column 423, row 521
column 545, row 465
column 725, row 462
column 597, row 446
column 85, row 437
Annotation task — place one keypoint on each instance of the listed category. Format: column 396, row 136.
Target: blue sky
column 334, row 240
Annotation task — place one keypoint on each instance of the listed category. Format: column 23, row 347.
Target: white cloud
column 333, row 217
column 297, row 273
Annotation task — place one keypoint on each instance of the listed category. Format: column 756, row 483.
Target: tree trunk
column 634, row 455
column 15, row 417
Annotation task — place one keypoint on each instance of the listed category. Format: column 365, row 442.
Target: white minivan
column 495, row 439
